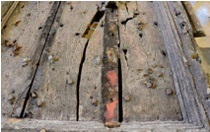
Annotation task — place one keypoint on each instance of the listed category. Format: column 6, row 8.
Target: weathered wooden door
column 93, row 66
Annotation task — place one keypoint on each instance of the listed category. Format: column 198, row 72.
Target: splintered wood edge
column 9, row 13
column 197, row 28
column 56, row 125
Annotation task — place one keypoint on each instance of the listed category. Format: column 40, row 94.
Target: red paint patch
column 110, row 107
column 112, row 76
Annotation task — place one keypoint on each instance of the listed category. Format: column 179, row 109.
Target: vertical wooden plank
column 22, row 31
column 182, row 77
column 186, row 36
column 90, row 84
column 55, row 83
column 148, row 89
column 110, row 67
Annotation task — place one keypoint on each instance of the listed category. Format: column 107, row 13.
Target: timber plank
column 12, row 124
column 55, row 83
column 188, row 46
column 90, row 86
column 23, row 29
column 143, row 51
column 193, row 110
column 110, row 67
column 152, row 49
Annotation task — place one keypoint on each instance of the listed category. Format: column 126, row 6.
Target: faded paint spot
column 112, row 76
column 110, row 107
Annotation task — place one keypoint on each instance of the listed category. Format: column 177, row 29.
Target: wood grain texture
column 155, row 46
column 90, row 84
column 5, row 5
column 12, row 124
column 188, row 44
column 15, row 78
column 193, row 110
column 143, row 61
column 55, row 83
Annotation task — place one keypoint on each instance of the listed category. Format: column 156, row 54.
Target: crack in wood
column 125, row 21
column 120, row 87
column 87, row 34
column 79, row 79
column 111, row 53
column 126, row 6
column 120, row 83
column 45, row 35
column 125, row 55
column 19, row 97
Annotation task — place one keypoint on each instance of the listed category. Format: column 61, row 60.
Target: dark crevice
column 120, row 84
column 182, row 25
column 125, row 21
column 120, row 91
column 163, row 52
column 97, row 17
column 79, row 78
column 140, row 35
column 87, row 34
column 112, row 5
column 126, row 6
column 178, row 13
column 34, row 75
column 156, row 23
column 125, row 55
column 77, row 34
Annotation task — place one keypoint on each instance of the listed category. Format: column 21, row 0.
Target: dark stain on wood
column 39, row 51
column 110, row 69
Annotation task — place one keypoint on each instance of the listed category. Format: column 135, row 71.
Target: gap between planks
column 51, row 19
column 84, row 52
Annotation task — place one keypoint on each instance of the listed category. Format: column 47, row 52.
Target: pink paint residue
column 110, row 107
column 112, row 76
